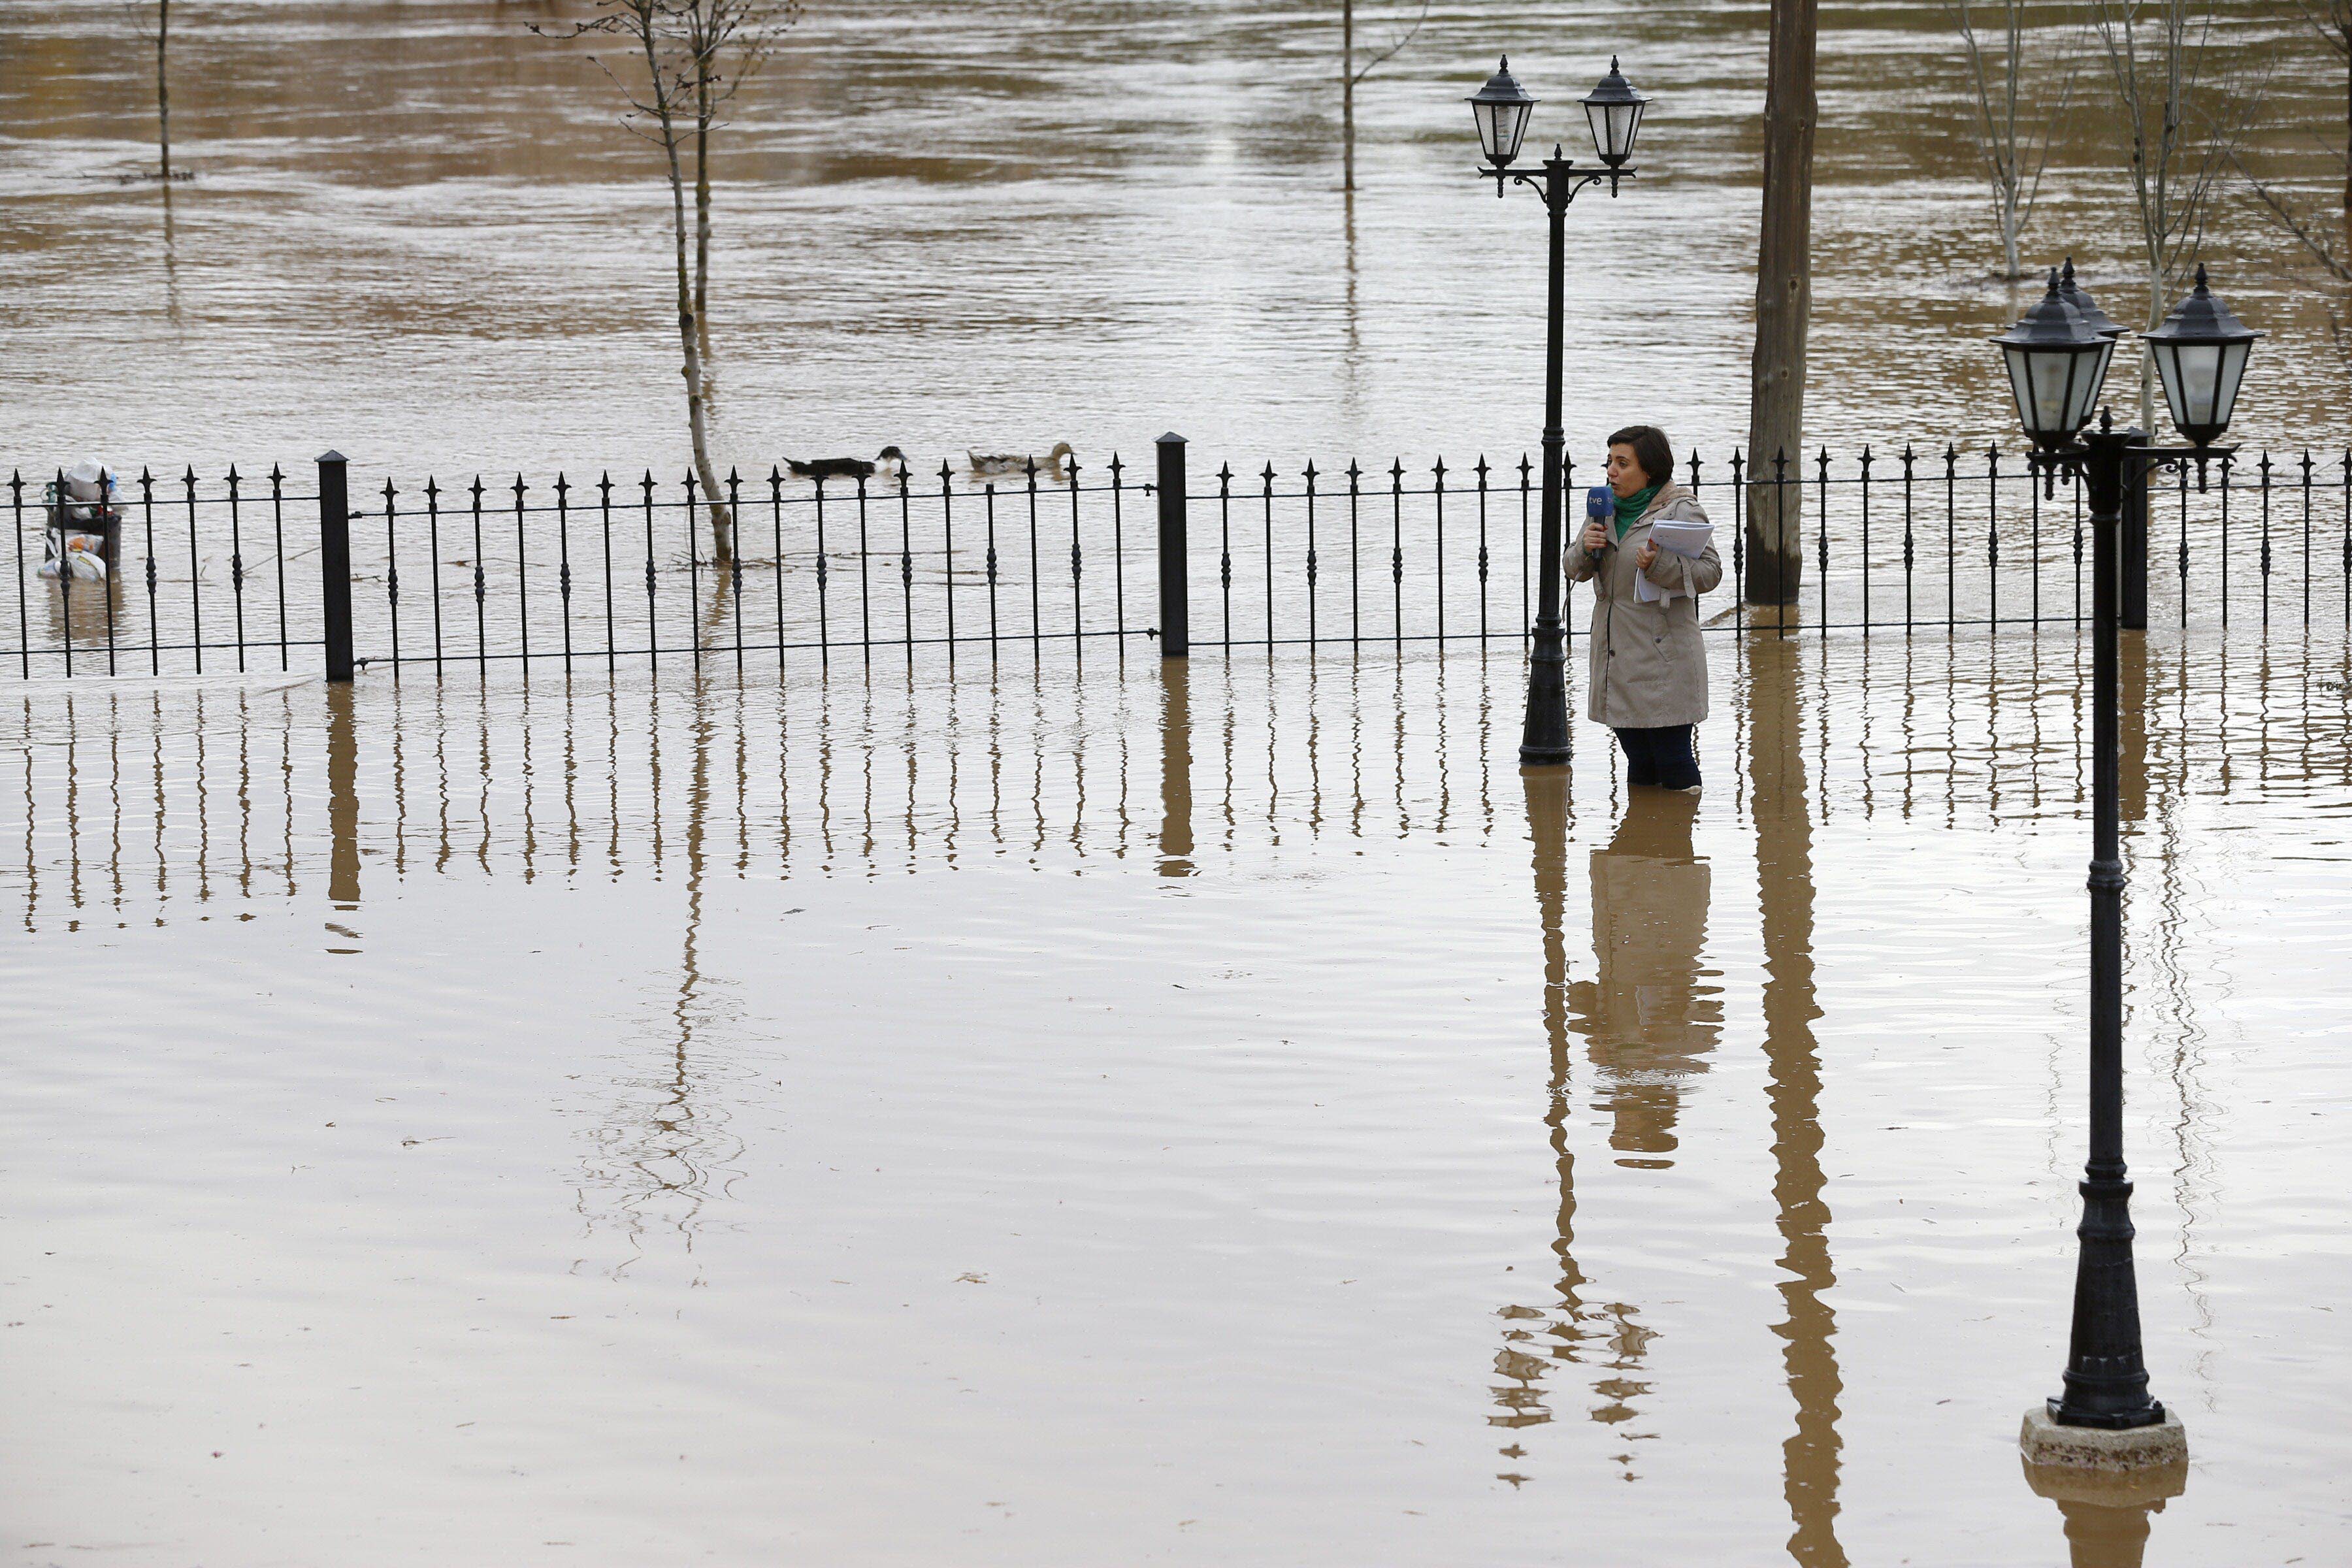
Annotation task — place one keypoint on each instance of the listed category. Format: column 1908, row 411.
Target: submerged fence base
column 193, row 577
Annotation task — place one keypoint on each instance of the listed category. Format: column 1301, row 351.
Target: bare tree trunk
column 723, row 524
column 164, row 90
column 1351, row 74
column 1784, row 298
column 1348, row 95
column 2012, row 217
column 703, row 111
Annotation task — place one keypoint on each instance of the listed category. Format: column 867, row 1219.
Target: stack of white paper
column 1673, row 537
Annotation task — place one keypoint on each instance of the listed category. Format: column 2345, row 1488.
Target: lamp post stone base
column 2046, row 1445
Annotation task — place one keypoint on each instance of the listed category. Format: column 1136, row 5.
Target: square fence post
column 335, row 563
column 2132, row 606
column 1175, row 603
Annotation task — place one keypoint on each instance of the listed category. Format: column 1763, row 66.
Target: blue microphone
column 1600, row 507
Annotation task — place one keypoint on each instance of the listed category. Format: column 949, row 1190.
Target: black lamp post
column 2057, row 359
column 1502, row 109
column 2132, row 612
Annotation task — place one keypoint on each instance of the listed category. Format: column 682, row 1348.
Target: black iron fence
column 244, row 574
column 193, row 577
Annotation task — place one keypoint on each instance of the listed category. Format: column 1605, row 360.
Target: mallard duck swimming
column 989, row 465
column 889, row 461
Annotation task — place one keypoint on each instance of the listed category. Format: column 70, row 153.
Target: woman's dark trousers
column 1663, row 757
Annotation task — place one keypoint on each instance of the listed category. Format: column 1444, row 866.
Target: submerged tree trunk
column 1784, row 297
column 703, row 111
column 163, row 89
column 723, row 523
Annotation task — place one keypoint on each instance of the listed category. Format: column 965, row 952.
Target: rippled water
column 1094, row 1117
column 417, row 235
column 1083, row 1115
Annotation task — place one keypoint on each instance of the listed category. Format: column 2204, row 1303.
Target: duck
column 988, row 465
column 889, row 462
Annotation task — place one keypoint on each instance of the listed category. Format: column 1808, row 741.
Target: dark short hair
column 1651, row 450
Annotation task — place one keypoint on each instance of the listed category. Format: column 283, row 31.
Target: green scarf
column 1631, row 507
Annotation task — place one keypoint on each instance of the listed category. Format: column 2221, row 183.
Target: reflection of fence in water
column 559, row 574
column 140, row 798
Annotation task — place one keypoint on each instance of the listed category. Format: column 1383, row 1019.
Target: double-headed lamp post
column 1502, row 109
column 2057, row 358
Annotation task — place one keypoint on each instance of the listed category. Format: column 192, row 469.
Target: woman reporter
column 1647, row 674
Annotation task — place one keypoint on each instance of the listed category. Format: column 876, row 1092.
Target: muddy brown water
column 416, row 234
column 1067, row 1115
column 1084, row 1116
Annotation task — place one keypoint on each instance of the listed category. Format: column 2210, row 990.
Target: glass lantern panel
column 2168, row 370
column 1501, row 128
column 1517, row 126
column 2020, row 382
column 1624, row 124
column 1488, row 116
column 2087, row 387
column 2101, row 362
column 2233, row 371
column 2054, row 379
column 2056, row 382
column 1613, row 127
column 2199, row 366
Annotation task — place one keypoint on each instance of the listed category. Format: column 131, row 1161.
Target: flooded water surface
column 1096, row 1116
column 416, row 234
column 1012, row 1101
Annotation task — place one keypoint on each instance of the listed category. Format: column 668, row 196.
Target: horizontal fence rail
column 243, row 574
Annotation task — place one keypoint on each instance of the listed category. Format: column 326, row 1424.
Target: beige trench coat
column 1647, row 667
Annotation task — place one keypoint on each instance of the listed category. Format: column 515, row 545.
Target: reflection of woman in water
column 1647, row 1018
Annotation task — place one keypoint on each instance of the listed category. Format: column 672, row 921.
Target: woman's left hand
column 1648, row 555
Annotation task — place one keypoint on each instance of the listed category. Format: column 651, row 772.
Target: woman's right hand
column 1596, row 538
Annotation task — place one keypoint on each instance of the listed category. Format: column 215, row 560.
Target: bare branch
column 2283, row 213
column 2332, row 20
column 1395, row 49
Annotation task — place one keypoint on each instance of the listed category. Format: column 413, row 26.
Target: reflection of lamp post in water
column 1502, row 109
column 2057, row 360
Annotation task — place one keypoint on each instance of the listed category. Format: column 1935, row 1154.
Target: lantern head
column 1615, row 110
column 2056, row 364
column 1502, row 109
column 2201, row 355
